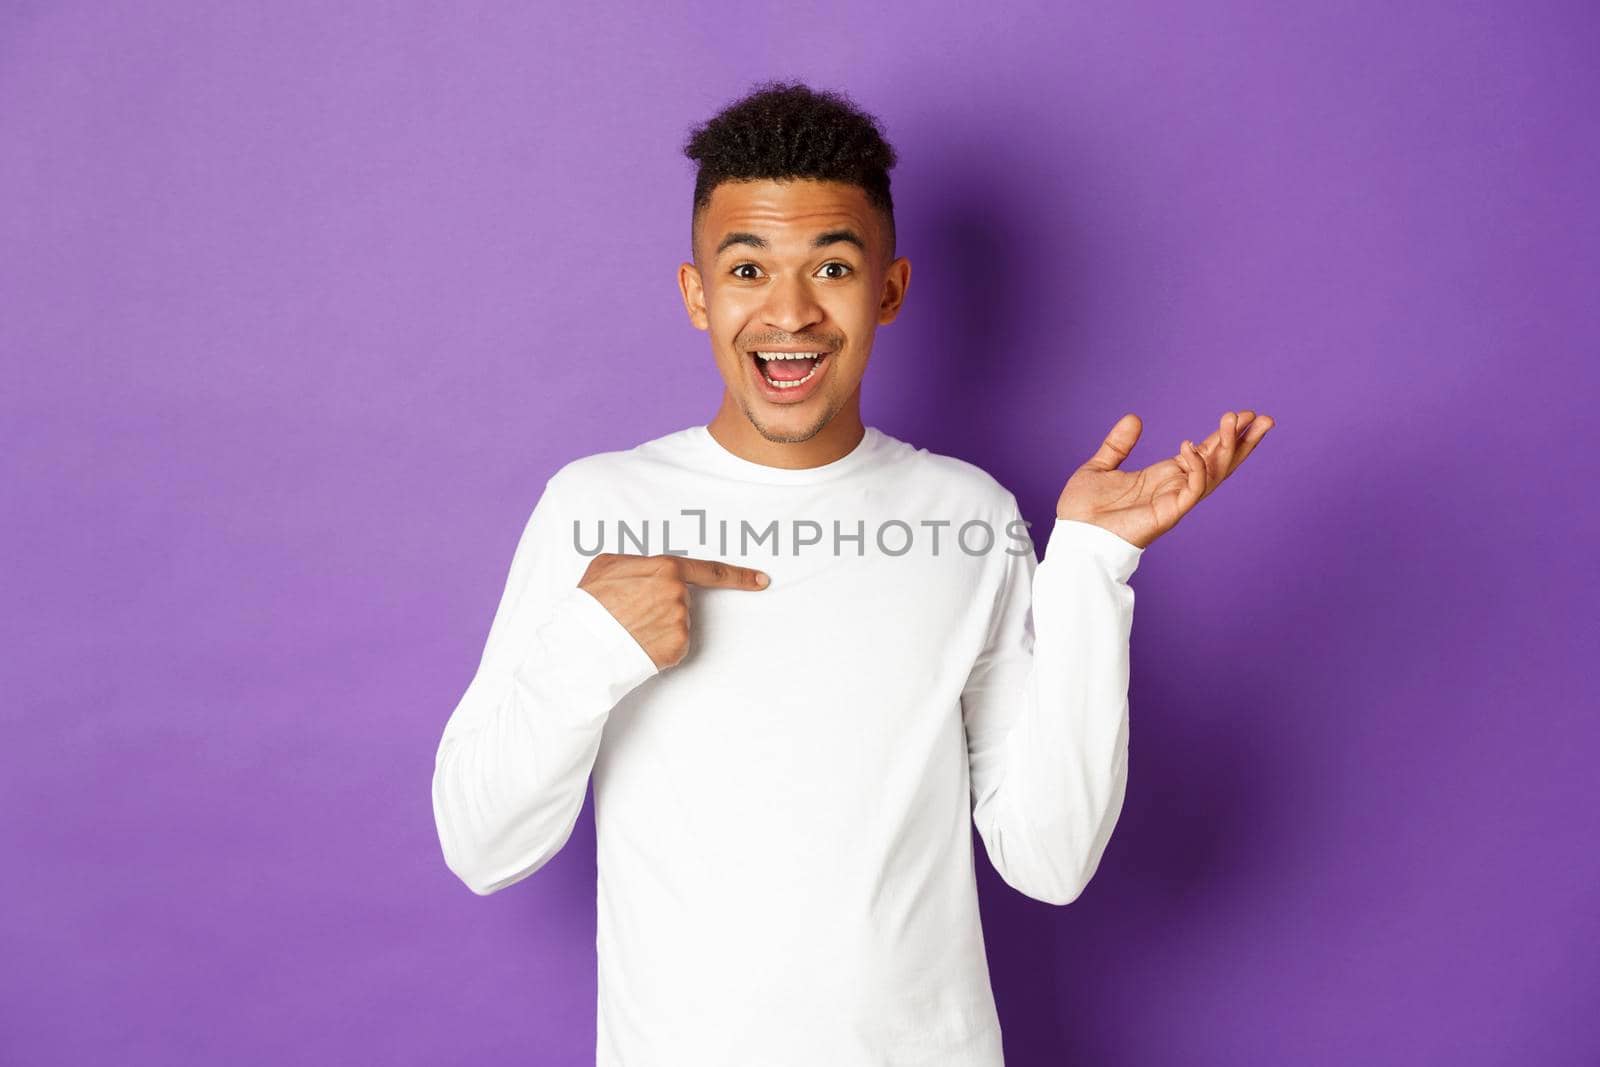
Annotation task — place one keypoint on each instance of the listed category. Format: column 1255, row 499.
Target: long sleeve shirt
column 784, row 852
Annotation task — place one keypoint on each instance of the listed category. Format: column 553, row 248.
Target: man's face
column 798, row 265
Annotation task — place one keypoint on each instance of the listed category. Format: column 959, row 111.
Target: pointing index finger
column 715, row 573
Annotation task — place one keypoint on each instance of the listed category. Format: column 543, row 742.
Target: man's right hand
column 650, row 595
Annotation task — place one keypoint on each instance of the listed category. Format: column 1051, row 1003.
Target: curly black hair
column 786, row 130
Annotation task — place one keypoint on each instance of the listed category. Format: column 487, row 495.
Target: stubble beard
column 783, row 438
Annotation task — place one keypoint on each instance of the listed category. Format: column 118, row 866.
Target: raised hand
column 1140, row 506
column 649, row 595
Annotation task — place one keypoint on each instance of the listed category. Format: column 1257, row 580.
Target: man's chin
column 791, row 424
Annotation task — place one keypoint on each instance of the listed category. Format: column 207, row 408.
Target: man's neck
column 733, row 431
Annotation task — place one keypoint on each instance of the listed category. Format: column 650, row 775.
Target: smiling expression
column 789, row 267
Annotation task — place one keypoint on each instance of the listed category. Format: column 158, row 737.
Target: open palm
column 1139, row 506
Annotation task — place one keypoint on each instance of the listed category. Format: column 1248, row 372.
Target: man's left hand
column 1140, row 506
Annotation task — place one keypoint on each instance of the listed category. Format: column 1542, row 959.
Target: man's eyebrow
column 843, row 235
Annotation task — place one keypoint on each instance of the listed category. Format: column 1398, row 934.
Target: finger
column 1117, row 444
column 1209, row 445
column 1195, row 487
column 1247, row 444
column 1246, row 420
column 1206, row 463
column 1211, row 442
column 1229, row 429
column 715, row 573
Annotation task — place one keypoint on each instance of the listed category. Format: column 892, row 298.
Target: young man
column 797, row 655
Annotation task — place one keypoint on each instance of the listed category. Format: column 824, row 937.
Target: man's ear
column 694, row 295
column 896, row 280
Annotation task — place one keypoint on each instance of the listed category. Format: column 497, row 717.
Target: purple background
column 300, row 304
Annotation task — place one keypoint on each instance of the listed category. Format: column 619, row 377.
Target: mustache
column 822, row 344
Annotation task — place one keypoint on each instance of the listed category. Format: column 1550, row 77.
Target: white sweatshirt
column 785, row 862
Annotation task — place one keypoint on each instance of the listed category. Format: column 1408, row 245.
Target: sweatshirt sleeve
column 1046, row 710
column 514, row 760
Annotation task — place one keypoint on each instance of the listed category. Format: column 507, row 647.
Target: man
column 809, row 654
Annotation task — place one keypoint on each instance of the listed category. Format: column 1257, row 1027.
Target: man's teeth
column 817, row 356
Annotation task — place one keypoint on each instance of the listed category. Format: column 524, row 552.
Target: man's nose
column 791, row 305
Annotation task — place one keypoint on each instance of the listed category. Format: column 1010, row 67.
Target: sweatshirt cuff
column 1086, row 540
column 587, row 654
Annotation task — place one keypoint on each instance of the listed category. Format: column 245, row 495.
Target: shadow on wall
column 983, row 285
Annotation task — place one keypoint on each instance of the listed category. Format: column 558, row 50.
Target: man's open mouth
column 788, row 370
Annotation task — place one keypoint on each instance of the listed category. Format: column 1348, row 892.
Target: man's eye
column 845, row 267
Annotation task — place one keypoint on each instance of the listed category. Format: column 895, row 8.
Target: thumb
column 1118, row 443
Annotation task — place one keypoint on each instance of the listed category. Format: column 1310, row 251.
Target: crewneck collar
column 720, row 459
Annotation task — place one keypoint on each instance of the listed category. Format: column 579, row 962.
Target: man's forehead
column 787, row 211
